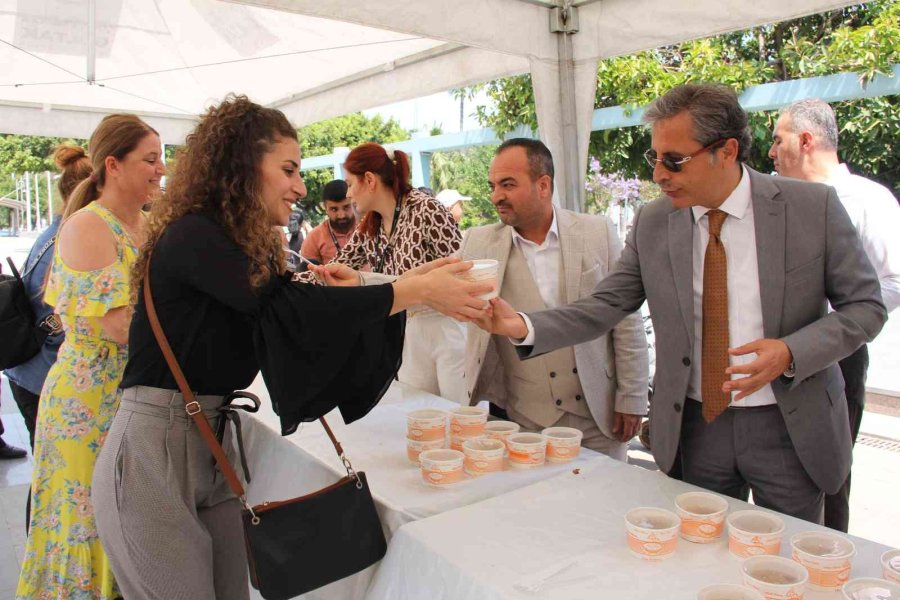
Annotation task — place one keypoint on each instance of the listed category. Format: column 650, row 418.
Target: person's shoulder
column 85, row 242
column 190, row 230
column 872, row 190
column 420, row 201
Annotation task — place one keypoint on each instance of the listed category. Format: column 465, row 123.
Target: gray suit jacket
column 809, row 254
column 613, row 369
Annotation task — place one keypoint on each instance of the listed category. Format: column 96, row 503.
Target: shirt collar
column 736, row 204
column 552, row 238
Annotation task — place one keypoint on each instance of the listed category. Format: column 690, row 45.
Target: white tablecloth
column 481, row 551
column 285, row 467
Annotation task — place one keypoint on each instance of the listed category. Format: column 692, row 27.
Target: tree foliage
column 20, row 154
column 348, row 130
column 864, row 39
column 466, row 171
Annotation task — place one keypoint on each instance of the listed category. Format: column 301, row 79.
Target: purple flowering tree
column 616, row 196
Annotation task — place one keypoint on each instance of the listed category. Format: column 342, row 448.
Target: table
column 285, row 467
column 481, row 551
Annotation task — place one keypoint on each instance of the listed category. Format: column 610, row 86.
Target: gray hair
column 817, row 117
column 540, row 161
column 714, row 109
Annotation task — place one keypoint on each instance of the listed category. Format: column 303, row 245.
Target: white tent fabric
column 66, row 63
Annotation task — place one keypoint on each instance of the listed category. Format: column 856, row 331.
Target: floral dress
column 64, row 558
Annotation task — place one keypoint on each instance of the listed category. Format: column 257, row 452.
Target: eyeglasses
column 673, row 162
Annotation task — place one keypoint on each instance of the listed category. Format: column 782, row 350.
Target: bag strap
column 193, row 409
column 39, row 256
column 191, row 406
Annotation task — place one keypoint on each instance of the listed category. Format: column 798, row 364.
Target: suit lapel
column 681, row 254
column 769, row 226
column 571, row 246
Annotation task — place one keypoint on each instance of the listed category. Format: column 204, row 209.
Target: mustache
column 502, row 204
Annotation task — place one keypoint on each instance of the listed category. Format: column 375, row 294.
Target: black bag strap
column 40, row 255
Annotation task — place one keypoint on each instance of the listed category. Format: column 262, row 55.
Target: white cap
column 450, row 197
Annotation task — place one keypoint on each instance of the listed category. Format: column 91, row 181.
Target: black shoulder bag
column 22, row 336
column 299, row 544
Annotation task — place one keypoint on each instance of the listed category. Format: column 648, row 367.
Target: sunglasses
column 673, row 162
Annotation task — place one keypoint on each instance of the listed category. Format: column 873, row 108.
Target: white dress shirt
column 876, row 215
column 543, row 263
column 745, row 322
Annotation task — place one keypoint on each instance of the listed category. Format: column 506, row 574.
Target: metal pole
column 49, row 196
column 37, row 201
column 574, row 192
column 27, row 201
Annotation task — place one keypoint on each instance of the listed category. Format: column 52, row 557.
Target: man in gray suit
column 548, row 256
column 738, row 269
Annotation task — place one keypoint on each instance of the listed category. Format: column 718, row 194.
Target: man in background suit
column 548, row 256
column 805, row 146
column 738, row 269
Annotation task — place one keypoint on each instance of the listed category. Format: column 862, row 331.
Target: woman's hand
column 430, row 266
column 446, row 293
column 336, row 274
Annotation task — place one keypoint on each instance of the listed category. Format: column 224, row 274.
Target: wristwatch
column 790, row 371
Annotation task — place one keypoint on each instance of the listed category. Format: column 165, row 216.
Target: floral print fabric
column 63, row 557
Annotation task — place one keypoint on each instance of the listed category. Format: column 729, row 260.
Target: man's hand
column 627, row 426
column 502, row 319
column 773, row 357
column 335, row 274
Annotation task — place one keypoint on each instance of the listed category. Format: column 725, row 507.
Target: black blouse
column 318, row 347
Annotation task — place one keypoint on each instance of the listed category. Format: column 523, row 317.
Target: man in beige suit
column 549, row 256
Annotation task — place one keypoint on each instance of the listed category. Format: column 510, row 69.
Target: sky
column 421, row 114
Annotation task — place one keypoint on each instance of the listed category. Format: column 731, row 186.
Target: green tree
column 32, row 154
column 863, row 38
column 348, row 130
column 466, row 171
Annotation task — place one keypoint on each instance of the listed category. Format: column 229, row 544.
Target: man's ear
column 545, row 185
column 806, row 141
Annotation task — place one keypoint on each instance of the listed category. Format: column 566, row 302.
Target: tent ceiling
column 168, row 59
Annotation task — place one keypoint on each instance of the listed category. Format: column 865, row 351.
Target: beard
column 342, row 225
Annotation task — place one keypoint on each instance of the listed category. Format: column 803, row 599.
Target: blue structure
column 769, row 96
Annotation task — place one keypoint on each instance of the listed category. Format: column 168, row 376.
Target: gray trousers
column 748, row 449
column 166, row 517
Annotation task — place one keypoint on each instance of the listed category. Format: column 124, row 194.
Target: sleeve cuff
column 528, row 340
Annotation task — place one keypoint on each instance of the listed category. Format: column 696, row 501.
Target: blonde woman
column 88, row 288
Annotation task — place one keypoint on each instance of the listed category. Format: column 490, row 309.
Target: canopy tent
column 66, row 63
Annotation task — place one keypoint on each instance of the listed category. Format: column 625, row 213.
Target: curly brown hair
column 217, row 173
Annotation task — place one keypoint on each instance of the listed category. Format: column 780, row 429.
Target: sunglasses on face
column 674, row 162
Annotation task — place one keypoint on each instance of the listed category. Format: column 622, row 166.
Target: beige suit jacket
column 613, row 369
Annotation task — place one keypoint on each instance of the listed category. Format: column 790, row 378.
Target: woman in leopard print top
column 405, row 228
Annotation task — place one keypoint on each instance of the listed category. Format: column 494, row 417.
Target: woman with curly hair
column 228, row 307
column 88, row 288
column 405, row 228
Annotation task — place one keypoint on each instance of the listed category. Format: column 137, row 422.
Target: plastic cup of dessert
column 563, row 443
column 702, row 516
column 457, row 441
column 483, row 270
column 415, row 447
column 754, row 532
column 482, row 456
column 468, row 421
column 728, row 591
column 427, row 424
column 441, row 468
column 652, row 533
column 871, row 588
column 526, row 450
column 890, row 565
column 828, row 558
column 500, row 430
column 775, row 577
